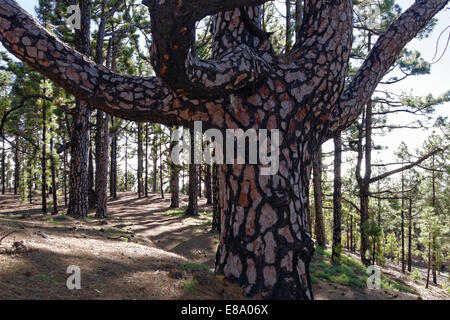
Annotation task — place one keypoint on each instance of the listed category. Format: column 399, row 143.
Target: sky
column 436, row 83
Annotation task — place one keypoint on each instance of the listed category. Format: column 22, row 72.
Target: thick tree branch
column 128, row 97
column 409, row 166
column 179, row 67
column 381, row 58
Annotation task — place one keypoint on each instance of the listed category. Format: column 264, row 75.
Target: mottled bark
column 295, row 93
column 319, row 226
column 337, row 201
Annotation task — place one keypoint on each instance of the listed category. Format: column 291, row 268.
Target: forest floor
column 145, row 251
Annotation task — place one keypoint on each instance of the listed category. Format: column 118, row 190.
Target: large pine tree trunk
column 264, row 245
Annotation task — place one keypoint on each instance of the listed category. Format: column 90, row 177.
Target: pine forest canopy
column 264, row 244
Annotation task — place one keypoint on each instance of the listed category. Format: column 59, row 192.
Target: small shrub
column 415, row 275
column 174, row 213
column 195, row 267
column 190, row 285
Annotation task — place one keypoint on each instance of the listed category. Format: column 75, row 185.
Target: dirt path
column 143, row 251
column 187, row 236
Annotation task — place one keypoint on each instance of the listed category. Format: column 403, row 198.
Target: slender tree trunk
column 402, row 226
column 126, row 161
column 288, row 40
column 78, row 198
column 364, row 182
column 199, row 170
column 429, row 259
column 92, row 196
column 351, row 234
column 44, row 157
column 174, row 176
column 79, row 178
column 337, row 201
column 155, row 174
column 208, row 186
column 30, row 181
column 53, row 170
column 298, row 17
column 113, row 165
column 65, row 176
column 17, row 166
column 347, row 233
column 146, row 161
column 433, row 255
column 318, row 204
column 140, row 160
column 3, row 166
column 216, row 205
column 101, row 174
column 192, row 209
column 161, row 163
column 409, row 234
